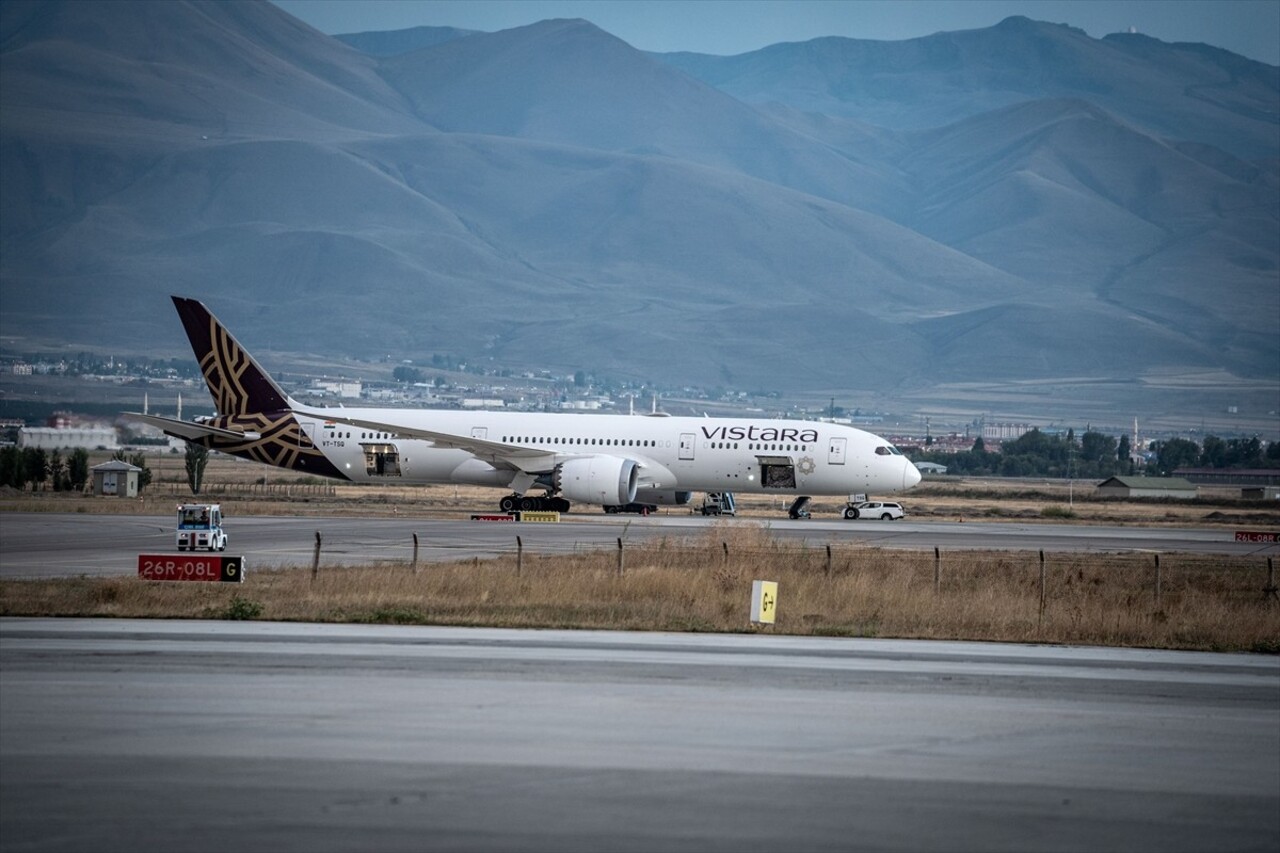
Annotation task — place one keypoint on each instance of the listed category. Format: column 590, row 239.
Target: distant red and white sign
column 1256, row 536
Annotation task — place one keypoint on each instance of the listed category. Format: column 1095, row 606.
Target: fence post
column 937, row 570
column 1042, row 584
column 315, row 559
column 1158, row 579
column 828, row 560
column 415, row 553
column 726, row 552
column 1040, row 619
column 619, row 556
column 1271, row 591
column 519, row 556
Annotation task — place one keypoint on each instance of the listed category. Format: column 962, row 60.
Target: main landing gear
column 533, row 503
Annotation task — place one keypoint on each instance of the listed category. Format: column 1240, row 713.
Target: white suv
column 882, row 510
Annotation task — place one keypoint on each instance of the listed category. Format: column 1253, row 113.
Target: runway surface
column 173, row 736
column 71, row 544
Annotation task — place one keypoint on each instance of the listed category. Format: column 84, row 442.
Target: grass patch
column 241, row 609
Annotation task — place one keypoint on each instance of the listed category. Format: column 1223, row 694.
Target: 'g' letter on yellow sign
column 764, row 601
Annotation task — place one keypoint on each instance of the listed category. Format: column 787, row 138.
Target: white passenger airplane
column 613, row 461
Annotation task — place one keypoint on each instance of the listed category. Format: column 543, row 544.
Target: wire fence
column 259, row 490
column 1164, row 577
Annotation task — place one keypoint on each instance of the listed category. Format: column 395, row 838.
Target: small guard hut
column 116, row 479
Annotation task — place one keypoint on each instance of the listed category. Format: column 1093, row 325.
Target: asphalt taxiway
column 177, row 736
column 71, row 544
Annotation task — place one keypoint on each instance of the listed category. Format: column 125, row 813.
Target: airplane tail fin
column 238, row 384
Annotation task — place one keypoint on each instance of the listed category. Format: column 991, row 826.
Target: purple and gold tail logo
column 273, row 438
column 247, row 400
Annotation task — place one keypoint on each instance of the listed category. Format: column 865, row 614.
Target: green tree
column 1122, row 455
column 1213, row 453
column 196, row 459
column 11, row 470
column 57, row 472
column 35, row 466
column 1016, row 466
column 1097, row 455
column 78, row 468
column 1175, row 453
column 144, row 479
column 1038, row 454
column 407, row 374
column 1244, row 453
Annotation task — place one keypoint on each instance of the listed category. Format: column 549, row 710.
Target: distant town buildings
column 1004, row 432
column 343, row 389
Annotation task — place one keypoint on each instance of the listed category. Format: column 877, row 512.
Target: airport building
column 90, row 437
column 1147, row 487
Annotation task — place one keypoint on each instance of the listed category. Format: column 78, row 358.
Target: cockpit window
column 888, row 450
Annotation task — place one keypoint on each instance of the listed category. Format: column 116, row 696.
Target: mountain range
column 1017, row 207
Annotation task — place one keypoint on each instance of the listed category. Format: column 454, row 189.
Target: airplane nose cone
column 910, row 475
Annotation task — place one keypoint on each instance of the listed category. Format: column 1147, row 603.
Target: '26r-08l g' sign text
column 211, row 569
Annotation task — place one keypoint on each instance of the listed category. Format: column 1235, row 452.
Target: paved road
column 61, row 544
column 173, row 736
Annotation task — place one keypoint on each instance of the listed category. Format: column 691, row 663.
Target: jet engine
column 604, row 480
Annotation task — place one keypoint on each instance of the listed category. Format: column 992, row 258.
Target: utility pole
column 1071, row 483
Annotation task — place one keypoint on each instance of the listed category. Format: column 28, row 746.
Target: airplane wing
column 496, row 453
column 191, row 430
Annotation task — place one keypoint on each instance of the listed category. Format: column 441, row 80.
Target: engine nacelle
column 603, row 480
column 667, row 498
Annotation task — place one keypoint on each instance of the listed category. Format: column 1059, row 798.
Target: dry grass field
column 692, row 584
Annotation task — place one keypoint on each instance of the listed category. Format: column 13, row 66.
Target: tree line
column 43, row 469
column 1097, row 455
column 1215, row 452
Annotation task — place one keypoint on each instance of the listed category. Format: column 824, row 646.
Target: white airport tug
column 200, row 527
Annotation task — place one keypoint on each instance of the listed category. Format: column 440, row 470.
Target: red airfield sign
column 189, row 567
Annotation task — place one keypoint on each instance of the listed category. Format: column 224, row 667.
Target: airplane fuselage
column 674, row 453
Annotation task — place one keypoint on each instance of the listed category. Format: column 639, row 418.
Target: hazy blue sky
column 1247, row 27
